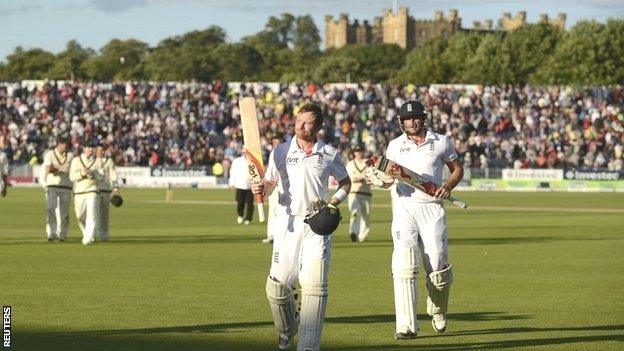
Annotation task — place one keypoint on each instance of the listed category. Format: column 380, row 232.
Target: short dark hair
column 316, row 112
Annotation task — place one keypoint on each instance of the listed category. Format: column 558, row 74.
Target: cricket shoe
column 353, row 237
column 247, row 222
column 439, row 322
column 267, row 241
column 405, row 336
column 239, row 220
column 285, row 342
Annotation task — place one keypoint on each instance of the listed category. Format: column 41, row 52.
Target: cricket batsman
column 419, row 219
column 299, row 171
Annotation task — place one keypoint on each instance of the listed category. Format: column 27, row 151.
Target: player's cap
column 357, row 148
column 412, row 109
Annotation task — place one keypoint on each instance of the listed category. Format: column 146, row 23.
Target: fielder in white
column 4, row 169
column 106, row 185
column 419, row 220
column 85, row 174
column 359, row 197
column 58, row 189
column 301, row 169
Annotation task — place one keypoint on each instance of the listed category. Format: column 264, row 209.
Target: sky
column 50, row 24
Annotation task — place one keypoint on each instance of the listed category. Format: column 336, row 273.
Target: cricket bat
column 409, row 177
column 251, row 147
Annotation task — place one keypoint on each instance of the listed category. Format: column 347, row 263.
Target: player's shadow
column 422, row 342
column 496, row 345
column 466, row 316
column 184, row 239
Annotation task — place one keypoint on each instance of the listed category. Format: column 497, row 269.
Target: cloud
column 116, row 6
column 7, row 11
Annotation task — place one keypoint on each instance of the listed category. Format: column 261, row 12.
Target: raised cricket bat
column 251, row 148
column 409, row 177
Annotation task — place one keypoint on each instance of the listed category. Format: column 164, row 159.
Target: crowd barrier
column 571, row 180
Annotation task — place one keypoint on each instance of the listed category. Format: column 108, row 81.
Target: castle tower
column 396, row 28
column 336, row 31
column 510, row 23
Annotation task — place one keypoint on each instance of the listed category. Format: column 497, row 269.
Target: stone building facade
column 404, row 30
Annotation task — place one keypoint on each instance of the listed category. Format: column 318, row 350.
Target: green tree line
column 288, row 50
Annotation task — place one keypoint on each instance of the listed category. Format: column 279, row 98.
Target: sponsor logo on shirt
column 292, row 160
column 404, row 150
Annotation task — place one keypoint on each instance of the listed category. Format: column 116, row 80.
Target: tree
column 281, row 28
column 70, row 64
column 28, row 64
column 119, row 59
column 528, row 48
column 185, row 57
column 490, row 63
column 423, row 65
column 459, row 48
column 589, row 53
column 376, row 62
column 333, row 68
column 237, row 62
column 306, row 36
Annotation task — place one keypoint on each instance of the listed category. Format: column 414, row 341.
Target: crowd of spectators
column 187, row 125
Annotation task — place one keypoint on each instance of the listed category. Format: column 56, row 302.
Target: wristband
column 340, row 194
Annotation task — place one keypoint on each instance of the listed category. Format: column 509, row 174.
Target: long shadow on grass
column 154, row 239
column 229, row 327
column 508, row 240
column 492, row 345
column 218, row 335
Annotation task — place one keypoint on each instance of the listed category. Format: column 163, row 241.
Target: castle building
column 404, row 30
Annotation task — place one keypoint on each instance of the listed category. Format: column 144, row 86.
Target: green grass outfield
column 535, row 271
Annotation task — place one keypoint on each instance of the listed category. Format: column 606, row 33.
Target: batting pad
column 313, row 280
column 439, row 287
column 405, row 272
column 283, row 306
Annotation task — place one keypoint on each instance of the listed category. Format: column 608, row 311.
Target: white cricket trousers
column 86, row 207
column 359, row 206
column 57, row 212
column 103, row 215
column 300, row 254
column 421, row 225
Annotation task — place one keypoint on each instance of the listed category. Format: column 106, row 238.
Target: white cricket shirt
column 108, row 180
column 239, row 174
column 302, row 176
column 427, row 159
column 62, row 163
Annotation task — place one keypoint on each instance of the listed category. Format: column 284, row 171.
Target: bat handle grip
column 455, row 201
column 260, row 201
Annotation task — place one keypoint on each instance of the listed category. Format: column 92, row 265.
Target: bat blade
column 252, row 148
column 409, row 177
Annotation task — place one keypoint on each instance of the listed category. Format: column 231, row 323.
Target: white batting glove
column 378, row 178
